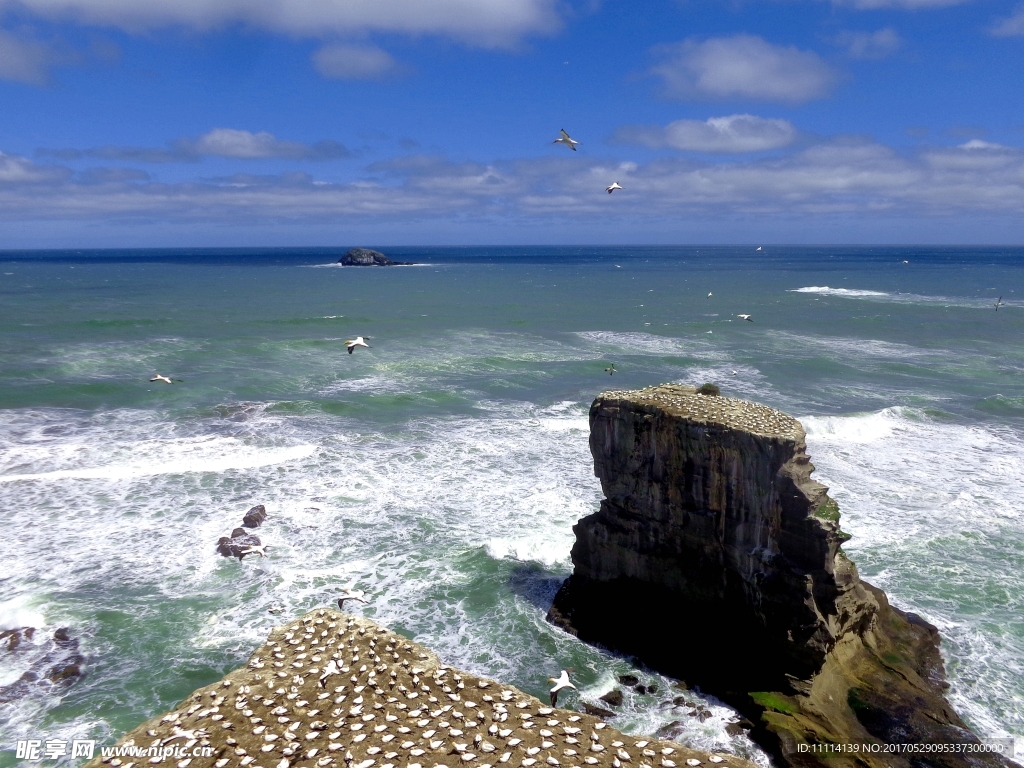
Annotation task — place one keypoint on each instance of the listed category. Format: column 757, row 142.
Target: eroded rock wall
column 716, row 558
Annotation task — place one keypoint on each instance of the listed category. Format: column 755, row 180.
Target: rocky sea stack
column 331, row 689
column 716, row 558
column 364, row 257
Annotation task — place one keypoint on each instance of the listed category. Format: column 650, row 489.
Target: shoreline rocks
column 715, row 558
column 364, row 257
column 332, row 689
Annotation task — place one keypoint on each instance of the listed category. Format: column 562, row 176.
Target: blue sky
column 321, row 122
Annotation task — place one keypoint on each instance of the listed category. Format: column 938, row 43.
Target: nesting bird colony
column 729, row 412
column 332, row 689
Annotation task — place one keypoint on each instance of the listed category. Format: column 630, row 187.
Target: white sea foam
column 170, row 457
column 824, row 290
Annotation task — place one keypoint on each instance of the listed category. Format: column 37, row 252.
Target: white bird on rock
column 613, row 187
column 567, row 140
column 330, row 669
column 745, row 317
column 180, row 733
column 561, row 683
column 358, row 341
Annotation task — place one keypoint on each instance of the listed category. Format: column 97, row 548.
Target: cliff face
column 716, row 558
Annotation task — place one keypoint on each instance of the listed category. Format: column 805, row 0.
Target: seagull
column 610, row 369
column 330, row 669
column 567, row 140
column 261, row 551
column 164, row 379
column 351, row 594
column 560, row 683
column 613, row 187
column 745, row 317
column 358, row 341
column 1000, row 303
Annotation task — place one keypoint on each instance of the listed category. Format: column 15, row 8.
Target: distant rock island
column 364, row 257
column 716, row 558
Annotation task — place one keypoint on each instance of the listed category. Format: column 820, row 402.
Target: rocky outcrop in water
column 331, row 689
column 239, row 544
column 48, row 660
column 254, row 517
column 716, row 558
column 364, row 257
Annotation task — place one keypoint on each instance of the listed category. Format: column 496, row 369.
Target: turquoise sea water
column 443, row 468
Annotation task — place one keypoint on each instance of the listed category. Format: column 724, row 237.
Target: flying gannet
column 1000, row 303
column 358, row 341
column 745, row 317
column 613, row 187
column 351, row 594
column 164, row 379
column 560, row 683
column 709, row 294
column 758, row 248
column 252, row 550
column 610, row 370
column 567, row 140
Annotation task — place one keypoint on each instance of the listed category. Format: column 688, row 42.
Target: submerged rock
column 331, row 689
column 613, row 697
column 723, row 560
column 364, row 257
column 52, row 661
column 238, row 543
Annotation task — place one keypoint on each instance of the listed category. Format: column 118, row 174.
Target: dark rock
column 236, row 544
column 712, row 522
column 738, row 729
column 652, row 688
column 629, row 680
column 680, row 685
column 640, row 688
column 254, row 517
column 613, row 697
column 364, row 257
column 670, row 730
column 680, row 701
column 590, row 709
column 64, row 673
column 51, row 661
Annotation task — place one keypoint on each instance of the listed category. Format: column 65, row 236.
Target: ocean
column 442, row 469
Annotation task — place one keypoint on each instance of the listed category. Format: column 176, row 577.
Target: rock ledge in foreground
column 392, row 703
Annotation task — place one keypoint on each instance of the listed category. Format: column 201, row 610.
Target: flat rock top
column 731, row 412
column 389, row 704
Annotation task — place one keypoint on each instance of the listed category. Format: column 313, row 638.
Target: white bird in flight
column 709, row 294
column 352, row 594
column 613, row 187
column 251, row 550
column 561, row 683
column 610, row 370
column 356, row 342
column 1000, row 303
column 745, row 317
column 164, row 379
column 758, row 248
column 566, row 139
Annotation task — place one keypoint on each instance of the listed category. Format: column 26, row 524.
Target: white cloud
column 24, row 61
column 354, row 62
column 979, row 144
column 733, row 133
column 743, row 66
column 852, row 178
column 483, row 22
column 870, row 45
column 220, row 142
column 1010, row 27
